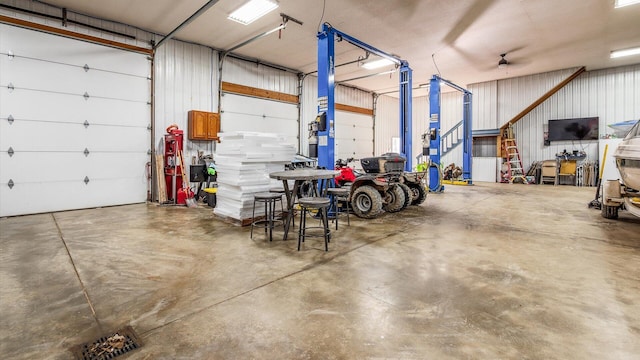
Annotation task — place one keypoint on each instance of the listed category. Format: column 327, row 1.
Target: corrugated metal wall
column 450, row 115
column 484, row 108
column 259, row 76
column 515, row 94
column 309, row 104
column 387, row 122
column 308, row 110
column 141, row 37
column 420, row 122
column 354, row 97
column 613, row 95
column 185, row 79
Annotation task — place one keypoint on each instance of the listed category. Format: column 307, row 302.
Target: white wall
column 309, row 105
column 387, row 122
column 185, row 78
column 613, row 95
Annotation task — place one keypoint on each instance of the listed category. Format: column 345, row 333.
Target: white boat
column 628, row 158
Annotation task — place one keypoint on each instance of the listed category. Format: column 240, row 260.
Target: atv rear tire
column 408, row 195
column 366, row 202
column 394, row 199
column 419, row 194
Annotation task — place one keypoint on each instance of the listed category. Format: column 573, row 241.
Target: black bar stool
column 269, row 221
column 321, row 205
column 339, row 195
column 280, row 216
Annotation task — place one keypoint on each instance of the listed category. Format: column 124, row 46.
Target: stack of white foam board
column 243, row 163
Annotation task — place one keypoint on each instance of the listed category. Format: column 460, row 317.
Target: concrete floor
column 491, row 271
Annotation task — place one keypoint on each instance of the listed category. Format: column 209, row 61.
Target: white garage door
column 73, row 123
column 245, row 113
column 354, row 135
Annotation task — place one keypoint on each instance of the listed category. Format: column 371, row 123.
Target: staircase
column 513, row 161
column 451, row 139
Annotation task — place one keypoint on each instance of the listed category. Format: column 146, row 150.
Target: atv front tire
column 366, row 202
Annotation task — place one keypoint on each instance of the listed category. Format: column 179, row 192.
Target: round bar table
column 299, row 176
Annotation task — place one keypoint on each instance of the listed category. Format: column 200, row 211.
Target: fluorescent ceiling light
column 370, row 65
column 625, row 52
column 252, row 11
column 622, row 3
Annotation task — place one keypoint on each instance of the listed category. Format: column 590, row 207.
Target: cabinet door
column 213, row 126
column 198, row 125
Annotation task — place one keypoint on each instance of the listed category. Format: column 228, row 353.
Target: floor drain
column 108, row 347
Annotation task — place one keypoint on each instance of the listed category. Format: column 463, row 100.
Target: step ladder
column 513, row 161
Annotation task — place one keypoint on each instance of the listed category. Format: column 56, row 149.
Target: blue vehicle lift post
column 326, row 94
column 434, row 145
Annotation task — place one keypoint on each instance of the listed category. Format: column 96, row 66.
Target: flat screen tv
column 573, row 129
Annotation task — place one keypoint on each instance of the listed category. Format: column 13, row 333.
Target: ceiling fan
column 503, row 62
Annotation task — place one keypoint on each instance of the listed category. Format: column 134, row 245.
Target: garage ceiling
column 465, row 37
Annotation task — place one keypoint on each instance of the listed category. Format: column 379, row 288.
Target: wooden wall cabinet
column 203, row 125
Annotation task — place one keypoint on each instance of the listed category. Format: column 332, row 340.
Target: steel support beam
column 326, row 96
column 434, row 126
column 405, row 114
column 435, row 147
column 326, row 92
column 195, row 15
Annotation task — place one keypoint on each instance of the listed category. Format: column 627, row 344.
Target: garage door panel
column 117, row 86
column 41, row 136
column 119, row 165
column 117, row 113
column 354, row 135
column 60, row 78
column 359, row 134
column 347, row 149
column 35, row 105
column 241, row 122
column 40, row 75
column 39, row 167
column 59, row 196
column 243, row 113
column 113, row 138
column 52, row 107
column 48, row 167
column 30, row 44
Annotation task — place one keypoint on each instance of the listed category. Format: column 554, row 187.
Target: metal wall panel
column 344, row 95
column 611, row 94
column 484, row 108
column 515, row 94
column 354, row 135
column 354, row 97
column 185, row 79
column 244, row 113
column 420, row 122
column 308, row 110
column 141, row 38
column 88, row 135
column 386, row 123
column 259, row 76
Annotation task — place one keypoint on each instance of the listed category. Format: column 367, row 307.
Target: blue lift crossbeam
column 326, row 94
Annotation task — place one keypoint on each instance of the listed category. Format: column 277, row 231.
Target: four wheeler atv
column 383, row 186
